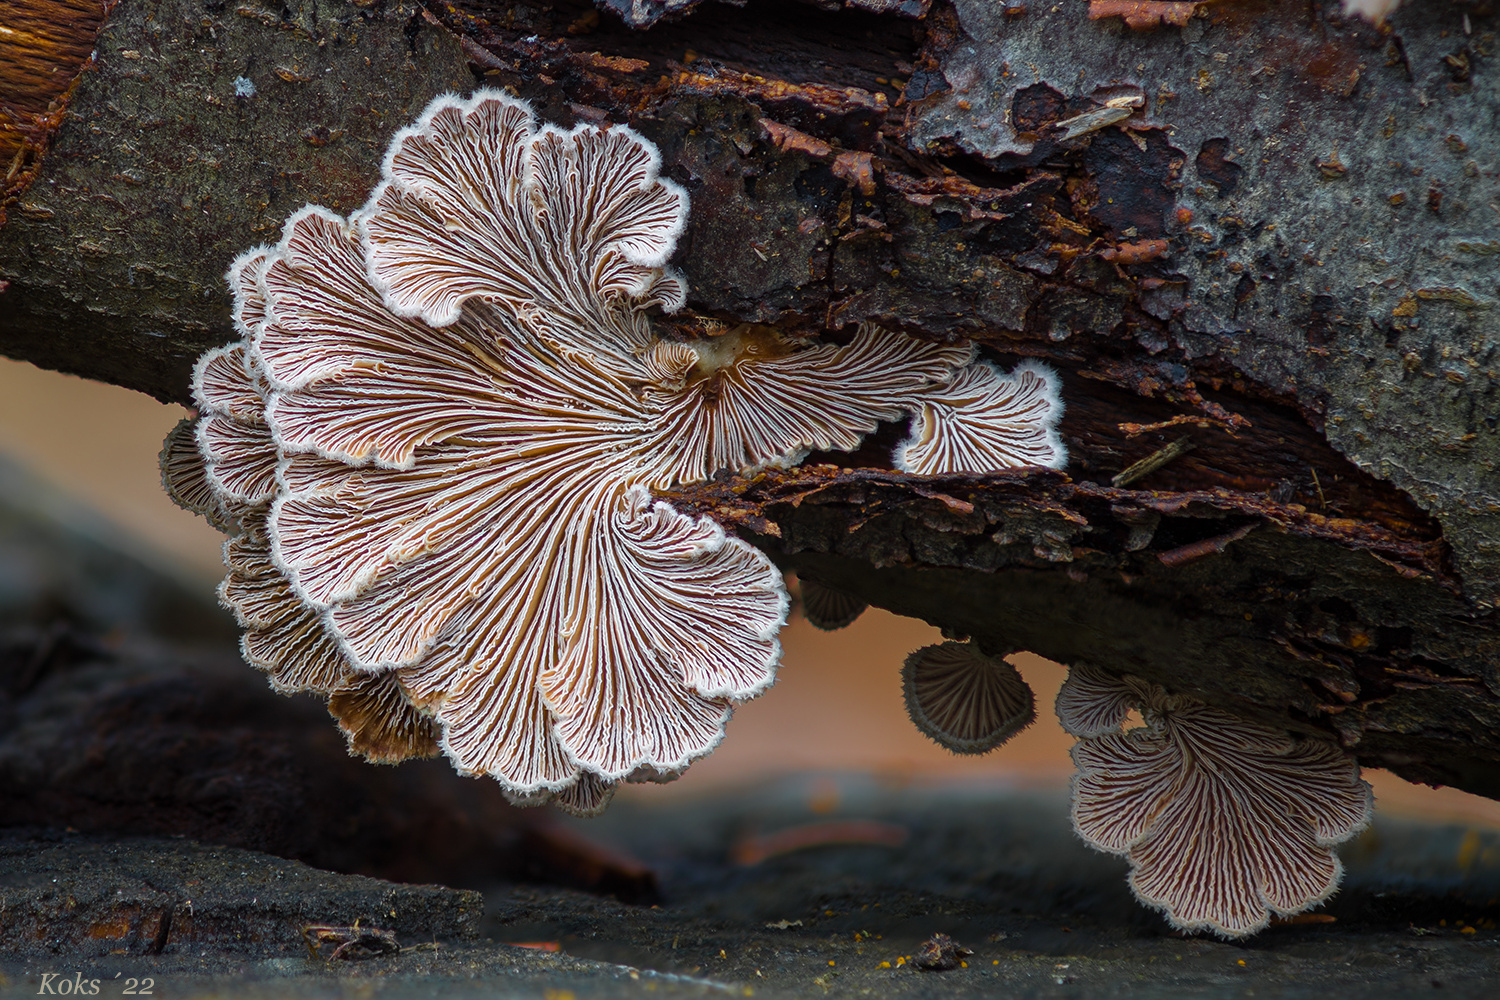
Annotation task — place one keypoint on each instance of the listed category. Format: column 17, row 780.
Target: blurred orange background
column 836, row 707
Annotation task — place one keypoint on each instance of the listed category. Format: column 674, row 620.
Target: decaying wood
column 1287, row 249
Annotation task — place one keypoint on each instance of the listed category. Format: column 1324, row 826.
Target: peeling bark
column 1268, row 229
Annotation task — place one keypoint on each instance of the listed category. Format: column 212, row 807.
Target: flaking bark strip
column 44, row 48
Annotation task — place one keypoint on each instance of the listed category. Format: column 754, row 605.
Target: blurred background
column 836, row 709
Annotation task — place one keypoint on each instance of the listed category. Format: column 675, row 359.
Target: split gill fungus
column 435, row 446
column 964, row 700
column 828, row 608
column 1225, row 822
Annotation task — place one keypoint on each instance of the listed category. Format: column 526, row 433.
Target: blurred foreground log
column 1266, row 229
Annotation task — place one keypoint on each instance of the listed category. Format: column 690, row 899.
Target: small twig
column 754, row 849
column 1154, row 461
column 1184, row 554
column 1322, row 502
column 481, row 56
column 1198, row 420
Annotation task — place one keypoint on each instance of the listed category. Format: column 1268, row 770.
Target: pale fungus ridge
column 1225, row 822
column 1374, row 11
column 984, row 420
column 439, row 435
column 282, row 636
column 963, row 700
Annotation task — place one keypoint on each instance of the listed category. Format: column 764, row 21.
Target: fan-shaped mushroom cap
column 1225, row 822
column 829, row 608
column 226, row 455
column 964, row 700
column 380, row 722
column 457, row 503
column 1093, row 702
column 985, row 420
column 479, row 201
column 750, row 399
column 439, row 433
column 287, row 640
column 588, row 796
column 184, row 475
column 239, row 456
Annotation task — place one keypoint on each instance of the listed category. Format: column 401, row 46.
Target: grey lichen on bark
column 1344, row 223
column 198, row 130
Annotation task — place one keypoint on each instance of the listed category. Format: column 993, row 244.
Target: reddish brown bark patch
column 46, row 44
column 1216, row 167
column 1143, row 16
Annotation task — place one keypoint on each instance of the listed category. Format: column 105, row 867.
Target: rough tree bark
column 1253, row 224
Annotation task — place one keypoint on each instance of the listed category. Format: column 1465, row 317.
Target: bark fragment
column 46, row 44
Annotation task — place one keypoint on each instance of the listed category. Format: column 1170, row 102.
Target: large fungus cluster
column 435, row 446
column 1226, row 822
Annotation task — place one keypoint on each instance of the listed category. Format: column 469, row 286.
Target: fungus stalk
column 437, row 438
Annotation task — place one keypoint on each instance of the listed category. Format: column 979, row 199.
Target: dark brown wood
column 1285, row 252
column 1305, row 621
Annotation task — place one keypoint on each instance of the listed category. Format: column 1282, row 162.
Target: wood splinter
column 1154, row 461
column 1209, row 546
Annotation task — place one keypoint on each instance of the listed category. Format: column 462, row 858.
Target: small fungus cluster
column 964, row 700
column 1225, row 822
column 828, row 608
column 435, row 444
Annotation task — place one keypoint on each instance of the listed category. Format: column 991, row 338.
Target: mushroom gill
column 984, row 419
column 282, row 637
column 963, row 700
column 185, row 476
column 438, row 437
column 828, row 608
column 1225, row 822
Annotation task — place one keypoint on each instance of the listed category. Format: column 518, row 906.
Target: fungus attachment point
column 828, row 608
column 437, row 439
column 963, row 700
column 1225, row 822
